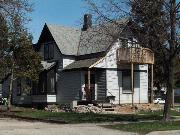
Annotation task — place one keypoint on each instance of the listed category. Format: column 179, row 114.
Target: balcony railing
column 135, row 55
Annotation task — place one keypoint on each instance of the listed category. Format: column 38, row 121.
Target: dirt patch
column 128, row 108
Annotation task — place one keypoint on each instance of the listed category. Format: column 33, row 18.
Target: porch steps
column 107, row 107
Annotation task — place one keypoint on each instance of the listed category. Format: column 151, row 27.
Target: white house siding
column 69, row 86
column 144, row 83
column 114, row 79
column 67, row 61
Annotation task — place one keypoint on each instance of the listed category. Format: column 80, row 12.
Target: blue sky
column 63, row 12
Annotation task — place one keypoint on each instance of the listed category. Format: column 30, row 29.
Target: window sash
column 19, row 88
column 48, row 51
column 126, row 81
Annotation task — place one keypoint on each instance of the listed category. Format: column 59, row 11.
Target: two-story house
column 89, row 64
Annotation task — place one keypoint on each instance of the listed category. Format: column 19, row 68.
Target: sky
column 62, row 12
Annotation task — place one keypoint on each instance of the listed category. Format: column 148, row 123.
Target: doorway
column 90, row 94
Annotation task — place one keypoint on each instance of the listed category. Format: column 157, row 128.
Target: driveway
column 14, row 127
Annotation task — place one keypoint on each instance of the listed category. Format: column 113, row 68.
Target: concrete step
column 107, row 105
column 108, row 109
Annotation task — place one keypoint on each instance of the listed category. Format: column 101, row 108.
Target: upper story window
column 48, row 51
column 124, row 43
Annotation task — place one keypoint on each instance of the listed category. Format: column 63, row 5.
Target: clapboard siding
column 101, row 84
column 114, row 87
column 69, row 86
column 114, row 78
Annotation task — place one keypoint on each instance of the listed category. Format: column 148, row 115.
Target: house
column 88, row 64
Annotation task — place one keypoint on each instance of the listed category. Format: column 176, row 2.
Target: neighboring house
column 85, row 65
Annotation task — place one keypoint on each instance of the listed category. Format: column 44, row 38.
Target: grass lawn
column 173, row 113
column 85, row 117
column 146, row 127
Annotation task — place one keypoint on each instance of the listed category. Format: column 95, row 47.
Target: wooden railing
column 135, row 55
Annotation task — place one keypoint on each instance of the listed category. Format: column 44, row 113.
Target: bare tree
column 154, row 23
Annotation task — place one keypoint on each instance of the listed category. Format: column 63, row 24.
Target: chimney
column 87, row 22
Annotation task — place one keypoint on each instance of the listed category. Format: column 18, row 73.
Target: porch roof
column 82, row 63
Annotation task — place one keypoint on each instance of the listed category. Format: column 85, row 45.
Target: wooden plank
column 152, row 75
column 135, row 55
column 89, row 80
column 132, row 82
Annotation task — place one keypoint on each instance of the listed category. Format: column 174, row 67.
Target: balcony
column 135, row 55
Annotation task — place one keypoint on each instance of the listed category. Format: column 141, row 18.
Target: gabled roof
column 99, row 38
column 71, row 41
column 66, row 38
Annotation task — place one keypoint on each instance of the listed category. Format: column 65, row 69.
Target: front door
column 90, row 94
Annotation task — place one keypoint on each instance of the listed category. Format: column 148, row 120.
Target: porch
column 136, row 56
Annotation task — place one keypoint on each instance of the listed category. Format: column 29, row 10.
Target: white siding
column 114, row 87
column 110, row 59
column 51, row 98
column 67, row 61
column 114, row 79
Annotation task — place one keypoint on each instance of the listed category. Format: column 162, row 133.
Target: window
column 124, row 43
column 51, row 81
column 42, row 83
column 48, row 51
column 126, row 81
column 28, row 86
column 19, row 88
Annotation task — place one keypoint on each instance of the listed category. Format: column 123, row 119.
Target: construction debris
column 106, row 108
column 53, row 108
column 90, row 108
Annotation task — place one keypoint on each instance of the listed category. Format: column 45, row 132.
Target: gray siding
column 24, row 98
column 5, row 87
column 101, row 84
column 69, row 86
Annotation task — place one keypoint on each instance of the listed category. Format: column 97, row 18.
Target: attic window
column 48, row 51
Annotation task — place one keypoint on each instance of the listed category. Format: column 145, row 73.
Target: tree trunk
column 170, row 82
column 11, row 88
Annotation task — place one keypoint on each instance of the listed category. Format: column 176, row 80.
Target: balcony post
column 132, row 82
column 89, row 83
column 152, row 76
